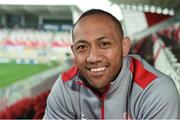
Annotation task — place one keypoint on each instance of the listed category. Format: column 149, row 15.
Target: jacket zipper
column 102, row 107
column 102, row 99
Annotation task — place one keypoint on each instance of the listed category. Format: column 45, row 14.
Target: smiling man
column 98, row 49
column 106, row 82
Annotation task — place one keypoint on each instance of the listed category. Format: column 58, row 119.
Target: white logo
column 83, row 116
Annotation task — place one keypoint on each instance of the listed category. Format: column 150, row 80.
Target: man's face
column 97, row 48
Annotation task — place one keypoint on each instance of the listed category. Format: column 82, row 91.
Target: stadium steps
column 173, row 45
column 176, row 51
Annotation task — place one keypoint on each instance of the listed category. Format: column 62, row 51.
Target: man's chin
column 99, row 88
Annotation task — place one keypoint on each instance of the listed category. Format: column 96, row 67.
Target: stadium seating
column 33, row 37
column 144, row 48
column 28, row 108
column 172, row 32
column 33, row 46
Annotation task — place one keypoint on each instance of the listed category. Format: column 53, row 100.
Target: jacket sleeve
column 58, row 103
column 160, row 100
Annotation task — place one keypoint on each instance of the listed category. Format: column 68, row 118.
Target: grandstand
column 41, row 34
column 36, row 45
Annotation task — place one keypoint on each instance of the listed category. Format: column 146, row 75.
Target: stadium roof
column 158, row 3
column 55, row 7
column 35, row 9
column 64, row 7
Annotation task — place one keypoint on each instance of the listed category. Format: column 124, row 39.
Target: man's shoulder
column 144, row 74
column 69, row 74
column 141, row 73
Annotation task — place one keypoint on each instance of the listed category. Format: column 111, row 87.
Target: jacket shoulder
column 69, row 74
column 141, row 75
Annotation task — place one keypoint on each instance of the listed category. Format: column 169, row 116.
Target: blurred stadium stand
column 33, row 34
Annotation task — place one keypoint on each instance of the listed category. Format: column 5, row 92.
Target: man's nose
column 94, row 56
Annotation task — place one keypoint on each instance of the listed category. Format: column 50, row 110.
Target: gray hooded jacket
column 139, row 92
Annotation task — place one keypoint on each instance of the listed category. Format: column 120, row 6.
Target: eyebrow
column 84, row 41
column 101, row 38
column 80, row 41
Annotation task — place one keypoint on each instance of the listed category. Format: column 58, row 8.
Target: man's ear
column 72, row 48
column 126, row 45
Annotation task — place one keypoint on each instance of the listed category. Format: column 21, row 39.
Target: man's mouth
column 98, row 69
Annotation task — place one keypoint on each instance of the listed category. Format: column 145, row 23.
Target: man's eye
column 81, row 47
column 104, row 44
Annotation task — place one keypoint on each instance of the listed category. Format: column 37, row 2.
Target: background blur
column 35, row 39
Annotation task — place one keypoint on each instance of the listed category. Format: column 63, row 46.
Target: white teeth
column 98, row 69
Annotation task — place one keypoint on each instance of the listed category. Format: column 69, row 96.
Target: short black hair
column 99, row 11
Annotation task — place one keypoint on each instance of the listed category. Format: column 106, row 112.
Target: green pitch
column 10, row 73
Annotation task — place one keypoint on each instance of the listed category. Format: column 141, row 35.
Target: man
column 106, row 82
